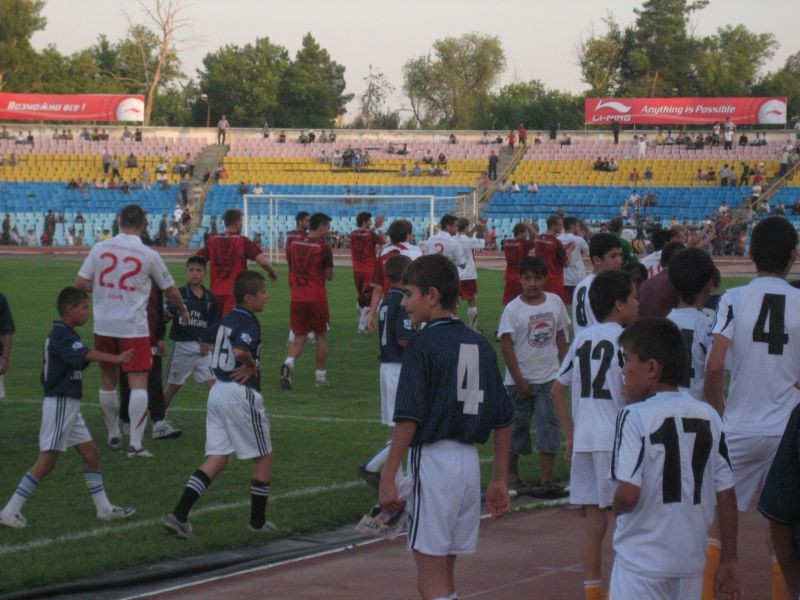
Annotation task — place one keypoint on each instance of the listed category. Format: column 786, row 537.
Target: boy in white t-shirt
column 605, row 252
column 672, row 465
column 575, row 271
column 533, row 338
column 593, row 369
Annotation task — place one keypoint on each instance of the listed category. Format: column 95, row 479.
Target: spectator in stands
column 2, row 159
column 258, row 189
column 137, row 135
column 724, row 209
column 660, row 138
column 222, row 130
column 124, row 187
column 452, row 139
column 106, row 161
column 5, row 237
column 416, row 171
column 537, row 139
column 103, row 135
column 514, row 188
column 763, row 208
column 12, row 160
column 634, row 174
column 132, row 162
column 303, row 138
column 780, row 209
column 613, row 166
column 428, row 158
column 4, row 135
column 566, row 140
column 403, row 171
column 30, row 239
column 115, row 167
column 723, row 175
column 484, row 139
column 599, row 164
column 265, row 130
column 533, row 188
column 441, row 159
column 20, row 139
column 641, row 146
column 616, row 126
column 126, row 134
column 512, row 140
column 161, row 168
column 404, row 150
column 648, row 174
column 755, row 191
column 16, row 238
column 522, row 133
column 743, row 139
column 85, row 135
column 493, row 160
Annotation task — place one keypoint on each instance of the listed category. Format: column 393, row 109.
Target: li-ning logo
column 617, row 106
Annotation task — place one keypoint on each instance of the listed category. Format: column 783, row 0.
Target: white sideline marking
column 271, row 415
column 101, row 531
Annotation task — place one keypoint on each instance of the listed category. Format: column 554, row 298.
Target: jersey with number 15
column 239, row 329
column 120, row 270
column 762, row 322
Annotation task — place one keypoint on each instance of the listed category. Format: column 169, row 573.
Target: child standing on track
column 450, row 398
column 65, row 358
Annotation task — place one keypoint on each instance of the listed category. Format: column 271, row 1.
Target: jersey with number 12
column 762, row 322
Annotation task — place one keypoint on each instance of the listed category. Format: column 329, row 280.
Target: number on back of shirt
column 603, row 352
column 667, row 435
column 223, row 357
column 769, row 327
column 382, row 318
column 580, row 307
column 468, row 384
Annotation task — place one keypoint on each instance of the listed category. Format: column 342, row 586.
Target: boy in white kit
column 605, row 252
column 443, row 242
column 533, row 340
column 468, row 276
column 575, row 271
column 593, row 369
column 672, row 465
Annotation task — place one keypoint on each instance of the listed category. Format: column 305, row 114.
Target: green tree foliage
column 600, row 59
column 19, row 20
column 534, row 105
column 373, row 98
column 784, row 82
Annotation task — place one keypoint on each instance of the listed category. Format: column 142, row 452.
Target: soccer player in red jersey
column 515, row 250
column 363, row 243
column 227, row 255
column 555, row 256
column 301, row 220
column 311, row 265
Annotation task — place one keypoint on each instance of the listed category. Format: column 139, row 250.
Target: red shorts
column 511, row 291
column 305, row 317
column 225, row 304
column 142, row 352
column 569, row 290
column 468, row 289
column 363, row 281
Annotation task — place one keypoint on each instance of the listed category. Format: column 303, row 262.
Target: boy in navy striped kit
column 65, row 358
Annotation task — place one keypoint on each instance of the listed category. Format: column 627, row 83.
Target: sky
column 540, row 38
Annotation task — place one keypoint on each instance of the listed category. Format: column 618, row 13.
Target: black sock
column 259, row 494
column 196, row 486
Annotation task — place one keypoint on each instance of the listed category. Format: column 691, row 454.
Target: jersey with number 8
column 120, row 270
column 762, row 322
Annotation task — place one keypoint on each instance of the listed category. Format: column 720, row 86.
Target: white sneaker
column 117, row 512
column 267, row 527
column 13, row 520
column 181, row 530
column 138, row 452
column 321, row 383
column 164, row 430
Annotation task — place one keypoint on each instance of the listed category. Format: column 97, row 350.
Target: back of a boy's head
column 231, row 216
column 195, row 259
column 318, row 220
column 532, row 264
column 771, row 245
column 462, row 224
column 363, row 217
column 601, row 243
column 637, row 271
column 615, row 225
column 395, row 266
column 132, row 216
column 447, row 221
column 654, row 338
column 606, row 289
column 434, row 271
column 552, row 220
column 301, row 216
column 660, row 237
column 247, row 282
column 569, row 222
column 518, row 229
column 690, row 270
column 668, row 252
column 398, row 231
column 69, row 297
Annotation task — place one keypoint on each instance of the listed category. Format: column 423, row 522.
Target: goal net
column 272, row 216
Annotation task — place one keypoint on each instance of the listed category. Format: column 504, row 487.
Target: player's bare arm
column 561, row 344
column 83, row 284
column 5, row 359
column 247, row 369
column 174, row 296
column 498, row 502
column 402, row 434
column 727, row 580
column 377, row 293
column 264, row 263
column 507, row 346
column 782, row 536
column 115, row 359
column 559, row 395
column 626, row 497
column 714, row 385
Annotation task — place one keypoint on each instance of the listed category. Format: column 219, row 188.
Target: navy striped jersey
column 202, row 315
column 64, row 362
column 780, row 498
column 6, row 320
column 239, row 329
column 394, row 326
column 450, row 385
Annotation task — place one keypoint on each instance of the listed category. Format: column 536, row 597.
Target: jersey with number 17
column 120, row 270
column 762, row 322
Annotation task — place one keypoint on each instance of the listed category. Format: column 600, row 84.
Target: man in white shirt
column 575, row 271
column 443, row 242
column 468, row 275
column 118, row 273
column 652, row 262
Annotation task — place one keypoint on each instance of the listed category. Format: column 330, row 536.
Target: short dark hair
column 601, row 243
column 247, row 282
column 132, row 216
column 363, row 217
column 398, row 231
column 654, row 338
column 231, row 216
column 669, row 251
column 318, row 220
column 533, row 264
column 69, row 297
column 660, row 237
column 690, row 270
column 448, row 220
column 196, row 259
column 395, row 266
column 553, row 219
column 462, row 224
column 637, row 271
column 434, row 271
column 301, row 216
column 615, row 225
column 569, row 222
column 771, row 244
column 606, row 289
column 519, row 228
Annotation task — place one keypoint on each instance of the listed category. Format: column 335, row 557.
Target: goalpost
column 273, row 215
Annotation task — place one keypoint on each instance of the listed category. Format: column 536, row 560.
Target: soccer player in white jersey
column 593, row 369
column 759, row 325
column 575, row 271
column 443, row 242
column 672, row 467
column 605, row 252
column 652, row 262
column 117, row 272
column 468, row 276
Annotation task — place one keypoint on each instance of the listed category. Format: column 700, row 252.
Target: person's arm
column 559, row 395
column 507, row 346
column 626, row 497
column 377, row 294
column 122, row 358
column 173, row 295
column 782, row 536
column 727, row 579
column 83, row 284
column 402, row 434
column 498, row 502
column 264, row 263
column 561, row 344
column 714, row 385
column 5, row 359
column 246, row 369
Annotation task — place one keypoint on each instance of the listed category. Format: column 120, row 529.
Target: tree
column 19, row 20
column 374, row 96
column 534, row 105
column 600, row 59
column 784, row 82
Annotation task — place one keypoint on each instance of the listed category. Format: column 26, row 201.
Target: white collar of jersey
column 129, row 236
column 665, row 396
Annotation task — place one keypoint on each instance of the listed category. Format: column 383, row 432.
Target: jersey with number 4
column 762, row 322
column 239, row 329
column 120, row 270
column 672, row 447
column 695, row 326
column 582, row 313
column 593, row 368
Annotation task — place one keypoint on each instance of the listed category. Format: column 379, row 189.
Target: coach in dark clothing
column 615, row 128
column 656, row 296
column 493, row 165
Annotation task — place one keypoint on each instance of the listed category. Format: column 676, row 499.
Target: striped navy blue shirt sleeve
column 780, row 498
column 70, row 350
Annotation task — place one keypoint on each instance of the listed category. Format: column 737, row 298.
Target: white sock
column 27, row 485
column 94, row 483
column 320, row 374
column 290, row 339
column 289, row 361
column 472, row 312
column 137, row 409
column 109, row 404
column 362, row 319
column 376, row 463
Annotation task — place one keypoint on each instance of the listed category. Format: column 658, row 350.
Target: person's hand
column 273, row 276
column 160, row 348
column 498, row 502
column 380, row 220
column 568, row 451
column 523, row 389
column 372, row 323
column 243, row 372
column 205, row 348
column 4, row 362
column 125, row 357
column 387, row 496
column 185, row 318
column 727, row 581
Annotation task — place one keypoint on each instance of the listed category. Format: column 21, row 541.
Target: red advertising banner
column 71, row 107
column 685, row 111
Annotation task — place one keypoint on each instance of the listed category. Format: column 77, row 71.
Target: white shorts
column 184, row 360
column 751, row 458
column 590, row 480
column 236, row 422
column 62, row 425
column 445, row 507
column 629, row 585
column 390, row 375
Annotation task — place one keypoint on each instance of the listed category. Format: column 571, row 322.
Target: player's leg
column 520, row 436
column 197, row 485
column 433, row 576
column 157, row 405
column 472, row 313
column 596, row 523
column 548, row 437
column 260, row 489
column 321, row 356
column 299, row 330
column 11, row 515
column 170, row 392
column 137, row 409
column 628, row 585
column 109, row 400
column 712, row 559
column 93, row 479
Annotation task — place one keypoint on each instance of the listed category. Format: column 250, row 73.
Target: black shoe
column 286, row 377
column 372, row 478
